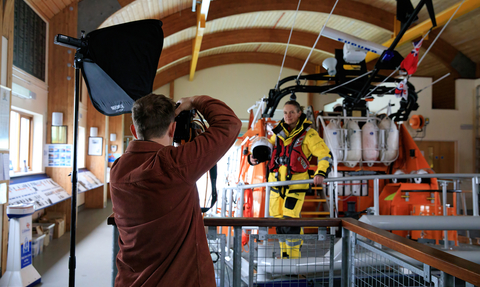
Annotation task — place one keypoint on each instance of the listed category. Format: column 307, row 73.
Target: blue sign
column 26, row 253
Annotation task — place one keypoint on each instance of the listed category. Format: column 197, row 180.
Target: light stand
column 72, row 261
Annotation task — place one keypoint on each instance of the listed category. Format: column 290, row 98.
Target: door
column 440, row 155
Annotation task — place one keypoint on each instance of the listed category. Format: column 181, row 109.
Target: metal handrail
column 376, row 178
column 364, row 177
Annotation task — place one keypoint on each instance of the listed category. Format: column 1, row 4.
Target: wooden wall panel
column 126, row 127
column 61, row 76
column 115, row 126
column 95, row 119
column 61, row 95
column 443, row 93
column 60, row 176
column 94, row 198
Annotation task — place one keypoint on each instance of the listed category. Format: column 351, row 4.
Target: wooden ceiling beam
column 124, row 3
column 183, row 69
column 202, row 12
column 442, row 51
column 260, row 35
column 348, row 8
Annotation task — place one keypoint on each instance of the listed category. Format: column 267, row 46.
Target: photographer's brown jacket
column 156, row 204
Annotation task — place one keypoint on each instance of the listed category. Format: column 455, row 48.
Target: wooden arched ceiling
column 179, row 42
column 372, row 20
column 183, row 68
column 305, row 22
column 294, row 51
column 232, row 37
column 179, row 16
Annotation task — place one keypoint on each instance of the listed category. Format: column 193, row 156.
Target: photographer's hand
column 186, row 104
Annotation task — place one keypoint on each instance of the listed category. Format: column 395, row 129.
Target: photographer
column 155, row 200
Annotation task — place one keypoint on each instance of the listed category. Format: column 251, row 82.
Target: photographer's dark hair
column 296, row 104
column 152, row 115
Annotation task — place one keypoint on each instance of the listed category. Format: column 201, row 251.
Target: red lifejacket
column 291, row 155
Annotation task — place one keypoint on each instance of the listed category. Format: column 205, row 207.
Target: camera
column 185, row 130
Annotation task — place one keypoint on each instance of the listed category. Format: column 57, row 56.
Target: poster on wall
column 4, row 116
column 43, row 192
column 58, row 155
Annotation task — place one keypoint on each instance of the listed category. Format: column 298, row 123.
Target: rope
column 438, row 80
column 286, row 49
column 441, row 31
column 318, row 38
column 352, row 80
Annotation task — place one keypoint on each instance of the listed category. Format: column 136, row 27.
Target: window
column 21, row 135
column 30, row 35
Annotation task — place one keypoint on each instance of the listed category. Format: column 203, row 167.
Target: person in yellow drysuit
column 294, row 143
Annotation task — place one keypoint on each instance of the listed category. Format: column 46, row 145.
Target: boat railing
column 332, row 181
column 362, row 255
column 332, row 185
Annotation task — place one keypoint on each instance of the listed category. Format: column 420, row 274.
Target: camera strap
column 213, row 179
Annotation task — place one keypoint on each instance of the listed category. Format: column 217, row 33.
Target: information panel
column 87, row 181
column 42, row 191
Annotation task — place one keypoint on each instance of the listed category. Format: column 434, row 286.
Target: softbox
column 120, row 64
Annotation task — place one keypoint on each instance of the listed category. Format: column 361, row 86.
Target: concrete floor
column 93, row 253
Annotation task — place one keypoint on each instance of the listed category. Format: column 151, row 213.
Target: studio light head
column 69, row 42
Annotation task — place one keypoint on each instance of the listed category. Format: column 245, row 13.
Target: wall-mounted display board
column 40, row 189
column 29, row 43
column 87, row 181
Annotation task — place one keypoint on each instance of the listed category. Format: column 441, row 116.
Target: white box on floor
column 37, row 244
column 48, row 229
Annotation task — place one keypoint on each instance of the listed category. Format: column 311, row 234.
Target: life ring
column 417, row 122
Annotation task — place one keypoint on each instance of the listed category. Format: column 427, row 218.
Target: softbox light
column 120, row 64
